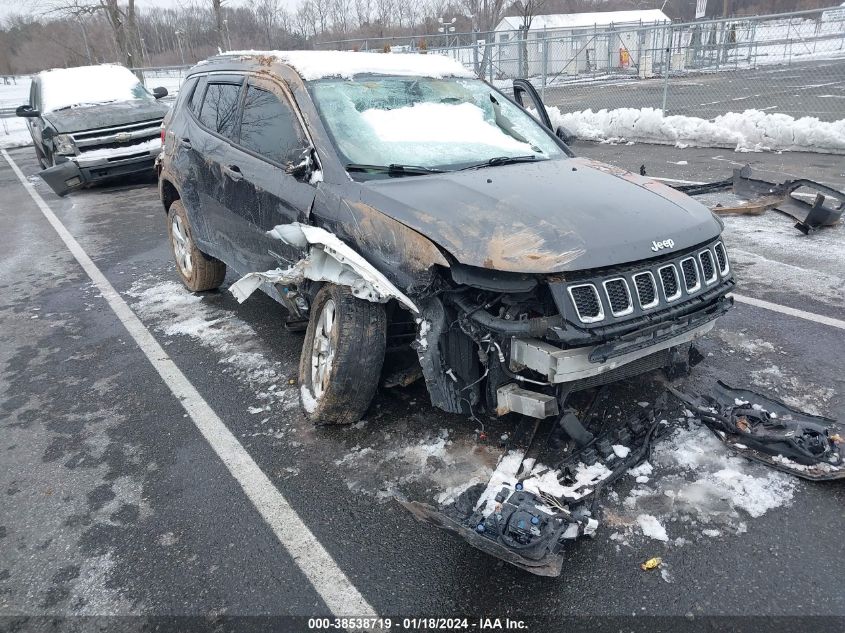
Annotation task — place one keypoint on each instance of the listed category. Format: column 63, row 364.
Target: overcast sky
column 8, row 7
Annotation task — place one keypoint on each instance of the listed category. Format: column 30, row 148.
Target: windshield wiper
column 394, row 169
column 502, row 160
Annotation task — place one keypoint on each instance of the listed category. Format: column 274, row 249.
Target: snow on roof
column 580, row 20
column 319, row 64
column 85, row 85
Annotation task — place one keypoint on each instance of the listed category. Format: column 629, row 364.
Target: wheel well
column 169, row 194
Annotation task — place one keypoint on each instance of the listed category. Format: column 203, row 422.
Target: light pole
column 179, row 41
column 446, row 28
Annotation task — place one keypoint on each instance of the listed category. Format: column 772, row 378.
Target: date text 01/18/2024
column 417, row 624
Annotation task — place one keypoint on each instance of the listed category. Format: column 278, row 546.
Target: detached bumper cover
column 77, row 173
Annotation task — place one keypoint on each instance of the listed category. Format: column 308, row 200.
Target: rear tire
column 197, row 270
column 342, row 356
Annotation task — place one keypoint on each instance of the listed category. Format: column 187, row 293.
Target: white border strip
column 801, row 314
column 338, row 592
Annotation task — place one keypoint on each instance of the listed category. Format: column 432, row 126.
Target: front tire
column 197, row 270
column 342, row 356
column 42, row 159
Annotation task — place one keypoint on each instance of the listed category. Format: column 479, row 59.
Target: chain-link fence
column 789, row 63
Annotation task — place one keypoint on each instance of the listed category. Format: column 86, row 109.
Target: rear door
column 260, row 192
column 209, row 141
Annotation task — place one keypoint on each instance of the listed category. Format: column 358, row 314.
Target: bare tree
column 217, row 10
column 526, row 10
column 268, row 13
column 363, row 12
column 120, row 18
column 341, row 11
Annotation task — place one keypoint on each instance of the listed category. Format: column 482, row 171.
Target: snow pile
column 652, row 528
column 87, row 85
column 320, row 64
column 748, row 131
column 697, row 483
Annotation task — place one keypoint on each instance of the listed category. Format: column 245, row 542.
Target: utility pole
column 179, row 41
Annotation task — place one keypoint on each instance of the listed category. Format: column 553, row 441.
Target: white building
column 580, row 42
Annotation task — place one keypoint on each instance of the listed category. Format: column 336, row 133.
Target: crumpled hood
column 105, row 115
column 544, row 217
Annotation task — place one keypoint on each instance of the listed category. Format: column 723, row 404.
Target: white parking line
column 339, row 594
column 801, row 314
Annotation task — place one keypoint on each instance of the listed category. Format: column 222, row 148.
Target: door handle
column 233, row 172
column 185, row 142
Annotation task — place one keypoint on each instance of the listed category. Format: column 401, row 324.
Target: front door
column 259, row 192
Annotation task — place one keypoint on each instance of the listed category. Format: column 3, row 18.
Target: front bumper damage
column 80, row 171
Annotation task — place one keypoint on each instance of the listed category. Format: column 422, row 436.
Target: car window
column 186, row 92
column 196, row 98
column 439, row 123
column 269, row 127
column 220, row 108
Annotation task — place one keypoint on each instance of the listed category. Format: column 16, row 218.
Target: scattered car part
column 528, row 511
column 825, row 210
column 769, row 431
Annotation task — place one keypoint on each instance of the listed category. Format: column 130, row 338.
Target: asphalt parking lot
column 115, row 502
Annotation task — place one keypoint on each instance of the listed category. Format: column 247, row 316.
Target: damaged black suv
column 395, row 202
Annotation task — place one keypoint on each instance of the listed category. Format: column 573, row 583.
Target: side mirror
column 26, row 111
column 302, row 167
column 159, row 92
column 564, row 135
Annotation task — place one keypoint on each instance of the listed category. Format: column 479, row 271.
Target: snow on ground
column 14, row 133
column 748, row 131
column 443, row 463
column 16, row 92
column 696, row 487
column 177, row 312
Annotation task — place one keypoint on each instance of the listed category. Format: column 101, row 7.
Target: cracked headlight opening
column 64, row 145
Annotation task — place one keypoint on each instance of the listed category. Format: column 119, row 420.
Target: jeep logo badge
column 659, row 246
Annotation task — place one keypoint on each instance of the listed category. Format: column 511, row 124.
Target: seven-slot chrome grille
column 649, row 288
